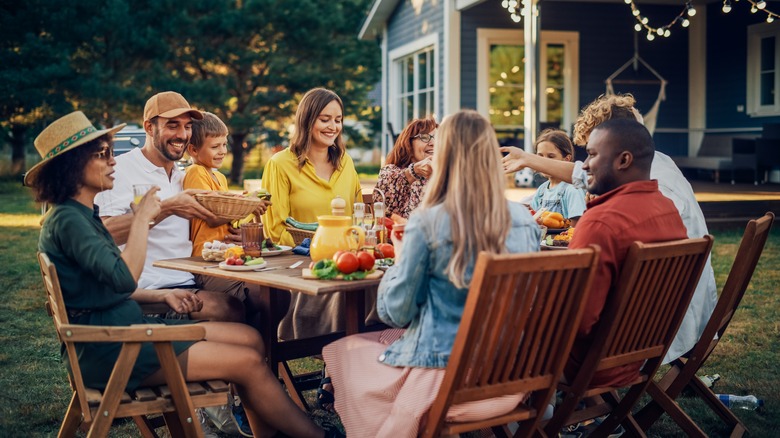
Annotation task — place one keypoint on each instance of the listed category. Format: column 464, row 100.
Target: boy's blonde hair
column 468, row 179
column 605, row 107
column 210, row 126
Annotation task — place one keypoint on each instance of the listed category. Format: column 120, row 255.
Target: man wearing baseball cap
column 168, row 125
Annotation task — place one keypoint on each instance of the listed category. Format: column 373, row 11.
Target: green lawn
column 35, row 389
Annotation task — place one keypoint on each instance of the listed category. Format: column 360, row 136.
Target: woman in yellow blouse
column 303, row 179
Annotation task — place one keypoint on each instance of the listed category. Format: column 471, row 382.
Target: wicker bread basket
column 228, row 207
column 298, row 234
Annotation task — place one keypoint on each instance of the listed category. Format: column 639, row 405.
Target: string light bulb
column 769, row 19
column 761, row 4
column 642, row 22
column 690, row 9
column 726, row 6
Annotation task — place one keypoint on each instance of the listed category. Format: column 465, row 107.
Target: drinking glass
column 139, row 190
column 251, row 238
column 368, row 221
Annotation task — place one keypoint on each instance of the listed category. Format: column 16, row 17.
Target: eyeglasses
column 106, row 154
column 425, row 138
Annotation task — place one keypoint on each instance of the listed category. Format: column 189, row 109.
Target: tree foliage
column 248, row 61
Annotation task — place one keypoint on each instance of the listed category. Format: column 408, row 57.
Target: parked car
column 133, row 136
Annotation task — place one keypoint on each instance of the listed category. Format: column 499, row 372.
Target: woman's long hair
column 402, row 154
column 468, row 179
column 312, row 104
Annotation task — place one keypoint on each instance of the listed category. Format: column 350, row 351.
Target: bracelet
column 414, row 174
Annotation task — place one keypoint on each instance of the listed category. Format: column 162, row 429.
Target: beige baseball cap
column 169, row 104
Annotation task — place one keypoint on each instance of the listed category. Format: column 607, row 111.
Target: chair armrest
column 134, row 333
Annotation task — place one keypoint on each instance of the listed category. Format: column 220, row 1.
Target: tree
column 248, row 61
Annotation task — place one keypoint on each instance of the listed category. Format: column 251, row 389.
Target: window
column 501, row 78
column 413, row 81
column 763, row 66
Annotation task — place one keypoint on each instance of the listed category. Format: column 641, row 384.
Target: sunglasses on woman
column 425, row 138
column 105, row 154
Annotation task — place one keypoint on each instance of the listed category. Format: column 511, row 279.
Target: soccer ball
column 524, row 178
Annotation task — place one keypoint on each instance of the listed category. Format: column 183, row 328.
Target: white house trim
column 571, row 41
column 377, row 19
column 697, row 81
column 386, row 141
column 451, row 58
column 755, row 33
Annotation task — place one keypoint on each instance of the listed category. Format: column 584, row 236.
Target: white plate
column 227, row 267
column 274, row 252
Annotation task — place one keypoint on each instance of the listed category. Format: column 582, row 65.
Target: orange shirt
column 200, row 177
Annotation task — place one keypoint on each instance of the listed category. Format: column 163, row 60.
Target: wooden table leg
column 271, row 315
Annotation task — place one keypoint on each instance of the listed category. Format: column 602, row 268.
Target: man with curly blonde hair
column 671, row 183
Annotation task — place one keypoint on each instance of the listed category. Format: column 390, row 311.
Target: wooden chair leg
column 174, row 426
column 738, row 429
column 72, row 418
column 145, row 427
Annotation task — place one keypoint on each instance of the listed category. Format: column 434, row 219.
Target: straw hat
column 63, row 135
column 169, row 104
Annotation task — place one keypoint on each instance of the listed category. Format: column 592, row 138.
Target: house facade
column 439, row 56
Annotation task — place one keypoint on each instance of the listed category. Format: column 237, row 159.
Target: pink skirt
column 378, row 400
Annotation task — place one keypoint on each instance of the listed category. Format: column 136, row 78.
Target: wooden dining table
column 281, row 280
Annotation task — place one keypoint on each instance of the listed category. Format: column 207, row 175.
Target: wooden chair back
column 683, row 370
column 176, row 400
column 638, row 324
column 518, row 326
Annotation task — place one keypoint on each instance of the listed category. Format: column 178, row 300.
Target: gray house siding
column 606, row 42
column 405, row 25
column 727, row 67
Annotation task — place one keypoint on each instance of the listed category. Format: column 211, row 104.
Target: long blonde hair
column 468, row 180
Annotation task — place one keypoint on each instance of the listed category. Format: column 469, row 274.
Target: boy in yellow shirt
column 208, row 147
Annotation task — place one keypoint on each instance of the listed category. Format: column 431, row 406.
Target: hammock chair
column 651, row 117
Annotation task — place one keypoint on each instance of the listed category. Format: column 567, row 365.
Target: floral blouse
column 401, row 197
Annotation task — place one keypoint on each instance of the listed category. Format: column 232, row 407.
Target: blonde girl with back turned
column 464, row 211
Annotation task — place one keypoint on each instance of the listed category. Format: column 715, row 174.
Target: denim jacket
column 417, row 293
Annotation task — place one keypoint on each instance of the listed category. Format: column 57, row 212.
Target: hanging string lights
column 642, row 21
column 756, row 6
column 517, row 9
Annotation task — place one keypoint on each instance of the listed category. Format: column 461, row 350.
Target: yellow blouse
column 199, row 177
column 303, row 195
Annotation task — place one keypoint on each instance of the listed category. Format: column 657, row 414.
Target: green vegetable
column 255, row 261
column 308, row 226
column 357, row 275
column 325, row 269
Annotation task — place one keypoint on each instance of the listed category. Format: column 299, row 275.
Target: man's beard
column 160, row 145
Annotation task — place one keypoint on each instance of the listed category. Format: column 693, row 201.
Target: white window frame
column 755, row 33
column 571, row 73
column 428, row 42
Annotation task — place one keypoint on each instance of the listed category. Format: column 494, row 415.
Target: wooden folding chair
column 683, row 370
column 97, row 409
column 638, row 323
column 518, row 325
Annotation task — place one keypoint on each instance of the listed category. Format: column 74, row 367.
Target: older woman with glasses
column 408, row 167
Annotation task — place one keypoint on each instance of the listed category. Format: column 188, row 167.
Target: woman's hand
column 516, row 158
column 183, row 301
column 149, row 207
column 260, row 210
column 423, row 167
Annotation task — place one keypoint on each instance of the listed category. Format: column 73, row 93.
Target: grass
column 34, row 384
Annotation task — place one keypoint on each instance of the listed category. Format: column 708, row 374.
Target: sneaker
column 240, row 420
column 581, row 430
column 205, row 424
column 222, row 418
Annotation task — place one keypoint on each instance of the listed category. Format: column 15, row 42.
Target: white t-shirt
column 169, row 238
column 673, row 185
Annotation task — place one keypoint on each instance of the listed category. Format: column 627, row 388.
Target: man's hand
column 264, row 204
column 184, row 205
column 183, row 301
column 515, row 159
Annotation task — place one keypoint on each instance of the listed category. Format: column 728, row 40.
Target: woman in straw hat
column 99, row 282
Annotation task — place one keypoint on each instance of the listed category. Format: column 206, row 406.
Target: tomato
column 230, row 261
column 239, row 262
column 389, row 224
column 312, row 265
column 347, row 263
column 366, row 261
column 387, row 250
column 337, row 254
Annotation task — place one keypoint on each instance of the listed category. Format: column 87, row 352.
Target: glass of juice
column 139, row 190
column 251, row 238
